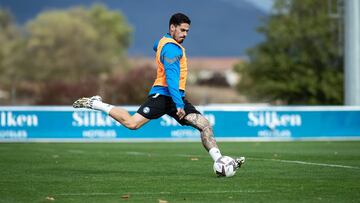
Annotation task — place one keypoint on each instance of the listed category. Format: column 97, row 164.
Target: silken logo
column 92, row 119
column 10, row 119
column 273, row 119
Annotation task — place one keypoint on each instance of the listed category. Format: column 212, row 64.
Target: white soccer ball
column 225, row 166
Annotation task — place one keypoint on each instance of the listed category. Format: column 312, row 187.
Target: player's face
column 179, row 32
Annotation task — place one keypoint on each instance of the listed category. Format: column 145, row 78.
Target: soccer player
column 167, row 95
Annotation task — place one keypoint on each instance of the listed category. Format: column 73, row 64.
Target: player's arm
column 171, row 55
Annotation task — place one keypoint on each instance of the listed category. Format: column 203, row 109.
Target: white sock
column 99, row 105
column 215, row 153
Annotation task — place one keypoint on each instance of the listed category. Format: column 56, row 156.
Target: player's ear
column 172, row 28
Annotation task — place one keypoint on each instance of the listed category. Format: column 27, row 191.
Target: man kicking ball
column 167, row 95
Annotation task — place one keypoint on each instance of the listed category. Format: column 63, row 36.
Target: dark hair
column 179, row 18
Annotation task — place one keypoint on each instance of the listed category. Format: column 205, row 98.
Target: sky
column 263, row 5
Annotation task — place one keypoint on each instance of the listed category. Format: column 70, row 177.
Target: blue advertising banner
column 229, row 123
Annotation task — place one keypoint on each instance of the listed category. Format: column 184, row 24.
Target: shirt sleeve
column 170, row 57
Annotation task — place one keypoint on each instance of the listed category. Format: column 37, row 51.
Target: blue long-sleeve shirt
column 170, row 56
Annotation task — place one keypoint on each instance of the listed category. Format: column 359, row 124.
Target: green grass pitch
column 178, row 172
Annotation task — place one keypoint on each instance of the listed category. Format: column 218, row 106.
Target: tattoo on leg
column 207, row 139
column 199, row 122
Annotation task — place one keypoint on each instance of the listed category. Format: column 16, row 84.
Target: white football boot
column 86, row 102
column 239, row 161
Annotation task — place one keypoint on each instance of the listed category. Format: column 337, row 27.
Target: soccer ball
column 225, row 166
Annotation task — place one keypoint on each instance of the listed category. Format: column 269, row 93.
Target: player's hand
column 180, row 113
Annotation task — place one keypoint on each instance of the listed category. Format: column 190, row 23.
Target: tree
column 11, row 42
column 300, row 61
column 75, row 48
column 6, row 33
column 74, row 44
column 112, row 27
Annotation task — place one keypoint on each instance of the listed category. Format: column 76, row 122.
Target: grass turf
column 178, row 172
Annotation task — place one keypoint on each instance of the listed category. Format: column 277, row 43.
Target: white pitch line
column 308, row 163
column 139, row 153
column 160, row 193
column 276, row 160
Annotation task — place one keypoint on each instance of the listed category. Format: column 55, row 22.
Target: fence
column 233, row 123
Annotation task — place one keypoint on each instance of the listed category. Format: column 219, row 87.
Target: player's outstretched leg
column 119, row 114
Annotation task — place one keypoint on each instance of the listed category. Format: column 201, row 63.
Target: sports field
column 178, row 172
